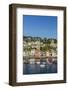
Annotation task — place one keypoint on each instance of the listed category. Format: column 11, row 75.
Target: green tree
column 48, row 41
column 55, row 41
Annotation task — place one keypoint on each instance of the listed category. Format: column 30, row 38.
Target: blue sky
column 40, row 26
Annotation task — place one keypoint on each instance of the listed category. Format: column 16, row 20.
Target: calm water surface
column 39, row 68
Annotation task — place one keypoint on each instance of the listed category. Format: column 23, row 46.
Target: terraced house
column 37, row 47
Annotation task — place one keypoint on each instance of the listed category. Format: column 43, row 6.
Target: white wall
column 4, row 47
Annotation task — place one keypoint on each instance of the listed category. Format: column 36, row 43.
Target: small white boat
column 37, row 62
column 42, row 65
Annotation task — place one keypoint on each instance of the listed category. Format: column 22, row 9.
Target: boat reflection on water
column 39, row 66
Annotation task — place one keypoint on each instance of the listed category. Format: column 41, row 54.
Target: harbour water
column 41, row 67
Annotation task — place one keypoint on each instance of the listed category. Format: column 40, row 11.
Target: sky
column 40, row 26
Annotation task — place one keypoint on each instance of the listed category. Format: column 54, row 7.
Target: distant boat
column 37, row 62
column 42, row 65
